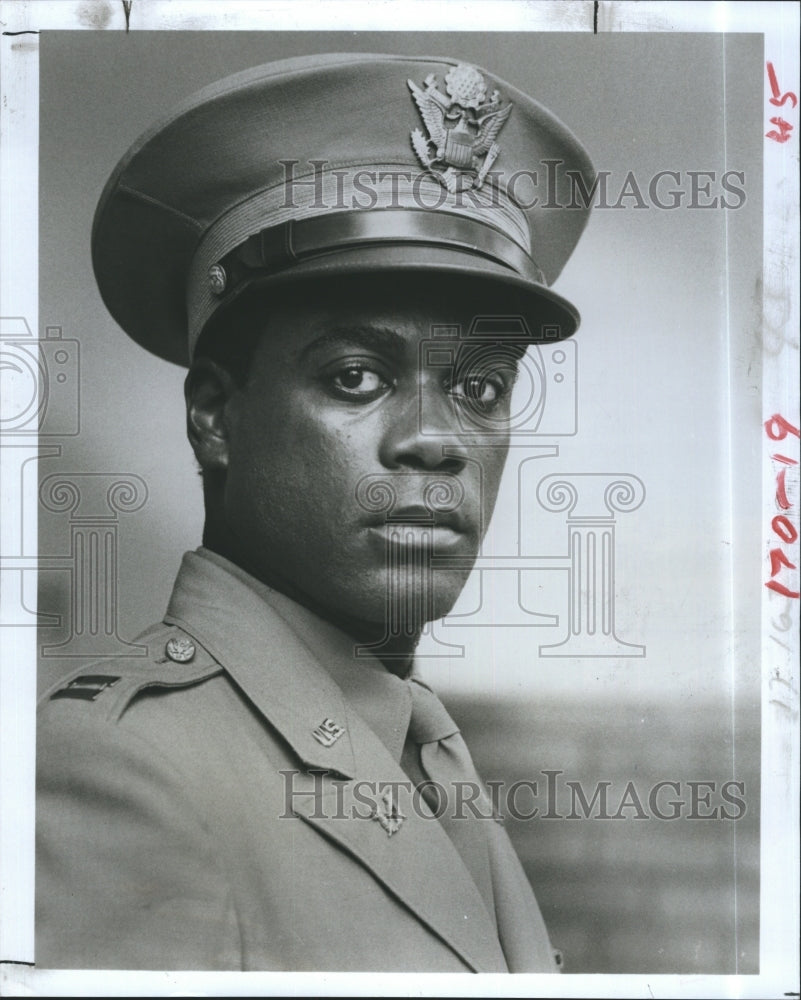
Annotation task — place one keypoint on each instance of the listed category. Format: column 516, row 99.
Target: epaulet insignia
column 175, row 660
column 86, row 687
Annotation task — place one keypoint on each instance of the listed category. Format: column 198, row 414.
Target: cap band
column 379, row 204
column 278, row 247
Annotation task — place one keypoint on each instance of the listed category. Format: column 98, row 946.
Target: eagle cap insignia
column 462, row 127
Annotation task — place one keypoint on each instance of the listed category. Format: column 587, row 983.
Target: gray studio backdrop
column 660, row 392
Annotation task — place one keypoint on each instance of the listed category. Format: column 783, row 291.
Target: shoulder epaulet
column 173, row 659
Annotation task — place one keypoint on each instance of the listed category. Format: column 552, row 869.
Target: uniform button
column 180, row 649
column 218, row 279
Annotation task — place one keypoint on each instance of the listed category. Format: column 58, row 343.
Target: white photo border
column 779, row 865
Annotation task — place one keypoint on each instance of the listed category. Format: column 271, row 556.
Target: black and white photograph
column 400, row 448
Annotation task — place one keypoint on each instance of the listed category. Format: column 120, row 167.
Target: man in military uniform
column 275, row 786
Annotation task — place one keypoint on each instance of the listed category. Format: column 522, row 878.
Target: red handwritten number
column 781, row 492
column 784, row 528
column 777, row 428
column 785, row 129
column 778, row 559
column 778, row 100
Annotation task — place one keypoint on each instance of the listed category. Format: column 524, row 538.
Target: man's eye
column 481, row 393
column 358, row 382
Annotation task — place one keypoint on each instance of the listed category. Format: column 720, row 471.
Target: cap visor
column 548, row 316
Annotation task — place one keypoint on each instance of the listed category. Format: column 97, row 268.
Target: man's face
column 356, row 451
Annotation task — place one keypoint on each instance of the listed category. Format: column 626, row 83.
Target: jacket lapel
column 418, row 864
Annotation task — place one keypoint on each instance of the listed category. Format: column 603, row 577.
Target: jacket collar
column 273, row 663
column 265, row 656
column 380, row 698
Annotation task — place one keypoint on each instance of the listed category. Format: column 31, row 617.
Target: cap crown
column 322, row 138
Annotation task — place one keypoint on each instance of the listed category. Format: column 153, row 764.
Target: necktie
column 436, row 752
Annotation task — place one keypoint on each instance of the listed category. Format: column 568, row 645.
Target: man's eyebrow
column 376, row 338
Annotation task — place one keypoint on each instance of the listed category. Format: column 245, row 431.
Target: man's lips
column 419, row 516
column 418, row 536
column 418, row 527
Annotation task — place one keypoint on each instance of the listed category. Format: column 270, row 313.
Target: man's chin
column 406, row 603
column 448, row 588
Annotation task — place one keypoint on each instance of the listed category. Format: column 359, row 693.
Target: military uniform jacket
column 190, row 817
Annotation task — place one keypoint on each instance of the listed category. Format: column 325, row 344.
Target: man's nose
column 425, row 434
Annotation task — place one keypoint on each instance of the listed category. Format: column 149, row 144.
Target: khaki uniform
column 204, row 814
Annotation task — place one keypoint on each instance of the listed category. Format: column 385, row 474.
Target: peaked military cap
column 338, row 165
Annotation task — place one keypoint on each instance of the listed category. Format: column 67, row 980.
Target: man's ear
column 208, row 390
